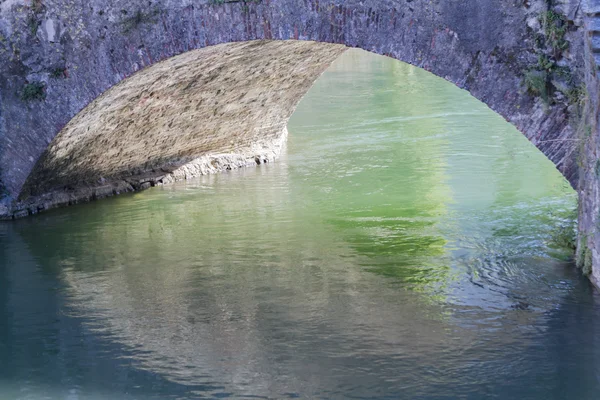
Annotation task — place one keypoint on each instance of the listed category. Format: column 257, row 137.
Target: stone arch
column 217, row 108
column 77, row 53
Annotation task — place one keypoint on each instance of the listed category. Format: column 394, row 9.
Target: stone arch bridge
column 99, row 97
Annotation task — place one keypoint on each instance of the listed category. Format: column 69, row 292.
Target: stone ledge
column 259, row 153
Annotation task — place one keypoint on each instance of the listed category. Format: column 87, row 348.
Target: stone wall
column 588, row 246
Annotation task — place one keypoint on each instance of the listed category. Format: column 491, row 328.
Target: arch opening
column 465, row 43
column 217, row 108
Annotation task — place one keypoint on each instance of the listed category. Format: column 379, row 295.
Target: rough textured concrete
column 58, row 56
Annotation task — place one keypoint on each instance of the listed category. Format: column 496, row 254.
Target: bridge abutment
column 588, row 244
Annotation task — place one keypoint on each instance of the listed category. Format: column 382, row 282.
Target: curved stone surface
column 216, row 108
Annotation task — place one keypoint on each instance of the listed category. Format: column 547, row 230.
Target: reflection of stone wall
column 241, row 324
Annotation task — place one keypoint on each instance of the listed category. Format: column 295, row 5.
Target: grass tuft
column 537, row 84
column 555, row 29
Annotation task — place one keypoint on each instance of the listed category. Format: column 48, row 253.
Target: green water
column 402, row 248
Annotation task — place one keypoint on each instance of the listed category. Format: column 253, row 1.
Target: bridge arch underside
column 218, row 108
column 150, row 95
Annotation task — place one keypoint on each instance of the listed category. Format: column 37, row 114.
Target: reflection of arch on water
column 461, row 43
column 217, row 327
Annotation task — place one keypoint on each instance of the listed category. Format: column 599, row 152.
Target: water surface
column 402, row 248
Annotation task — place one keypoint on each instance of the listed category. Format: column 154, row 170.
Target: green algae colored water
column 402, row 248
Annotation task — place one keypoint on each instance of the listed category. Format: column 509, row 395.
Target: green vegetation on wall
column 139, row 18
column 547, row 79
column 34, row 91
column 537, row 84
column 57, row 73
column 584, row 258
column 555, row 30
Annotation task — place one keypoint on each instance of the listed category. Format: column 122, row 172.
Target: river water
column 402, row 248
